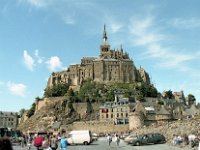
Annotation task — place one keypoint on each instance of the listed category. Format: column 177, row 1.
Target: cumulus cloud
column 28, row 60
column 186, row 23
column 54, row 63
column 16, row 88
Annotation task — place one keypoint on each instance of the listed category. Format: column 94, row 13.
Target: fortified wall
column 97, row 127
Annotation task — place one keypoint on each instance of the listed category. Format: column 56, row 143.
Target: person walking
column 63, row 142
column 109, row 139
column 117, row 139
column 54, row 143
column 5, row 144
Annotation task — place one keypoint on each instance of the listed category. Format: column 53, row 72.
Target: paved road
column 102, row 144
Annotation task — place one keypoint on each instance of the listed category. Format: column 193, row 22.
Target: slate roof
column 163, row 111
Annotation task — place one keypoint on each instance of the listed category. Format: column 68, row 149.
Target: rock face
column 47, row 115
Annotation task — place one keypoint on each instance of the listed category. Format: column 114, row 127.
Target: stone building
column 8, row 120
column 116, row 111
column 111, row 66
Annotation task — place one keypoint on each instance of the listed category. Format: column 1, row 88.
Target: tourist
column 5, row 144
column 54, row 144
column 45, row 145
column 23, row 140
column 109, row 139
column 63, row 142
column 30, row 141
column 117, row 139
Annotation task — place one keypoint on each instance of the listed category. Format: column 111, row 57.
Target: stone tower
column 105, row 46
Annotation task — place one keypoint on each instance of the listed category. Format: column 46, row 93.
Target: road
column 102, row 144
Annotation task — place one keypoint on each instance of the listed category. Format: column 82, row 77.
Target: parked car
column 151, row 138
column 94, row 137
column 123, row 136
column 130, row 137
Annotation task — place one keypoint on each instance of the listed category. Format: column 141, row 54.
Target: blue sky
column 38, row 37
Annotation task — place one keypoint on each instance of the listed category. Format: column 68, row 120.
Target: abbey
column 111, row 66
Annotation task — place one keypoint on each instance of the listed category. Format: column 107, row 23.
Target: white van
column 79, row 137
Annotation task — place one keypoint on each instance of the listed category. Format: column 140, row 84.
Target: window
column 111, row 115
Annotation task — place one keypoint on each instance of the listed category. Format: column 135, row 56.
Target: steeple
column 105, row 46
column 104, row 34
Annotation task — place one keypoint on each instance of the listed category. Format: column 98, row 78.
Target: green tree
column 191, row 99
column 169, row 94
column 56, row 90
column 31, row 111
column 21, row 112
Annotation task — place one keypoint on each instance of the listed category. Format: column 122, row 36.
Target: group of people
column 192, row 140
column 38, row 141
column 116, row 139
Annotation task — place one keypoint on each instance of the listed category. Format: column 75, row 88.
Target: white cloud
column 146, row 33
column 39, row 3
column 28, row 60
column 39, row 59
column 115, row 27
column 54, row 63
column 186, row 23
column 68, row 19
column 16, row 88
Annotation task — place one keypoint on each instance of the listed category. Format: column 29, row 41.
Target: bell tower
column 105, row 46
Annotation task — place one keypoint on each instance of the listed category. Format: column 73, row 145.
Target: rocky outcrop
column 47, row 115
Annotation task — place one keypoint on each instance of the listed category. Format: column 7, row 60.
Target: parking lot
column 102, row 144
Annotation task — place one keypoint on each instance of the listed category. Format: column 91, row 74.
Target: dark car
column 151, row 138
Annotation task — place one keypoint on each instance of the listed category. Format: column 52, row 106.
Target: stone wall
column 96, row 126
column 46, row 101
column 79, row 107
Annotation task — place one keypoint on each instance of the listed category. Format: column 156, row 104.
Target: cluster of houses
column 137, row 114
column 8, row 119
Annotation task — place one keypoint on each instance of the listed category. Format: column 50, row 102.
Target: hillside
column 51, row 112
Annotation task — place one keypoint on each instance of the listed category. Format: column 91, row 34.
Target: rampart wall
column 96, row 126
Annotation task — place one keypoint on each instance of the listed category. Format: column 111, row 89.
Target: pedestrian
column 22, row 142
column 30, row 141
column 45, row 145
column 63, row 142
column 54, row 143
column 5, row 144
column 109, row 139
column 117, row 139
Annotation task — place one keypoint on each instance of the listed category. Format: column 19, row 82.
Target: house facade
column 8, row 120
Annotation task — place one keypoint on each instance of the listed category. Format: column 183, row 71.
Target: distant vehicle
column 94, row 137
column 101, row 134
column 123, row 136
column 130, row 137
column 79, row 137
column 152, row 138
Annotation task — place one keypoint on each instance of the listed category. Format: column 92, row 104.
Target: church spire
column 104, row 34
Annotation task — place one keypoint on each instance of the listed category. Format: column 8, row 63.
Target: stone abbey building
column 111, row 66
